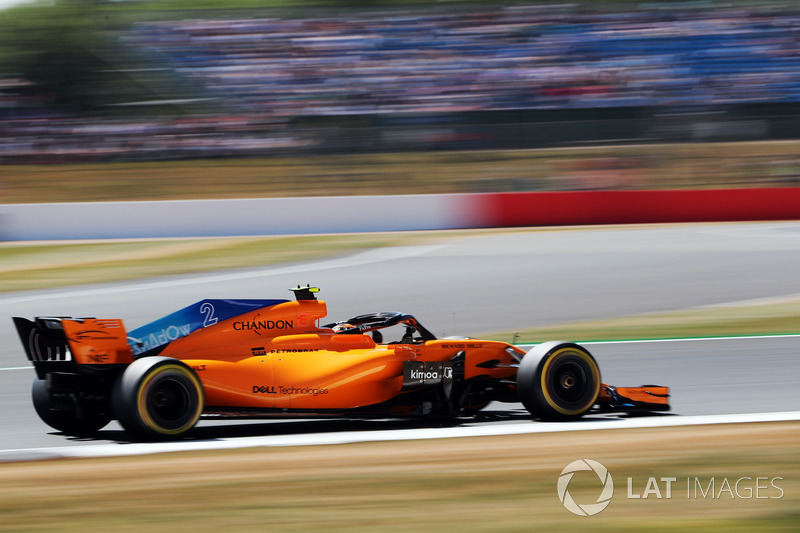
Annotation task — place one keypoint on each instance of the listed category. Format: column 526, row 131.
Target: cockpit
column 413, row 331
column 373, row 323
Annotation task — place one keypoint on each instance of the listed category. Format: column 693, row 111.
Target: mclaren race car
column 257, row 358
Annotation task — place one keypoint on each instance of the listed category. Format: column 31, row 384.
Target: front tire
column 81, row 421
column 558, row 381
column 157, row 398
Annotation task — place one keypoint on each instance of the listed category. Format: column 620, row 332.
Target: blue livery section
column 197, row 316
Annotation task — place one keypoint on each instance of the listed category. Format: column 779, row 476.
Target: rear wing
column 58, row 344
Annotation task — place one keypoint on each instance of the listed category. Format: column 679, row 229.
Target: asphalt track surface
column 475, row 283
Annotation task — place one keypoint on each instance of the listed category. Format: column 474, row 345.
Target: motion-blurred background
column 554, row 95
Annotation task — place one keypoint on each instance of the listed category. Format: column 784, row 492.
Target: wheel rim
column 570, row 382
column 169, row 401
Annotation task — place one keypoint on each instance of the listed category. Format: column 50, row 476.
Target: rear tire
column 81, row 422
column 558, row 381
column 157, row 398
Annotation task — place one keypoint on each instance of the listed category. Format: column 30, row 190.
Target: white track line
column 348, row 437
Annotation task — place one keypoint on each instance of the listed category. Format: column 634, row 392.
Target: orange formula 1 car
column 254, row 358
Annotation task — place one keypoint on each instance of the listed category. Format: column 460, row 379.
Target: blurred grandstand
column 492, row 76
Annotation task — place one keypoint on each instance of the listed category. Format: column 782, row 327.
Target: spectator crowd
column 516, row 57
column 265, row 72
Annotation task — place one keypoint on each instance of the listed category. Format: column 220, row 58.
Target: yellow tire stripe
column 141, row 404
column 546, row 370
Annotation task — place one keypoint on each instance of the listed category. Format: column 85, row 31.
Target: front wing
column 646, row 398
